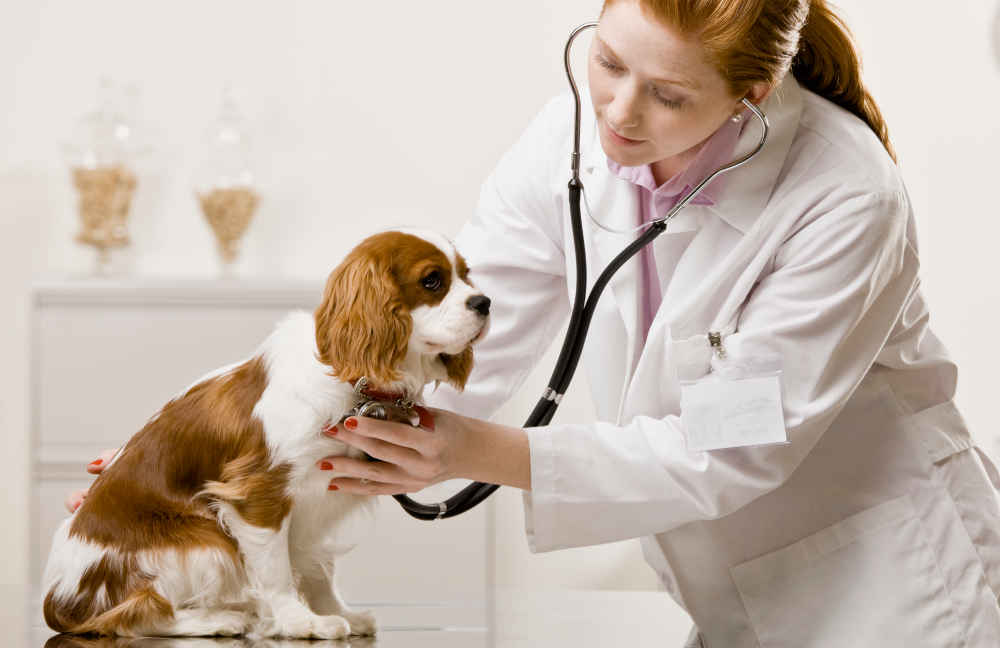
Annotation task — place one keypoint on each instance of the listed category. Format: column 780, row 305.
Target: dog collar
column 361, row 389
column 371, row 402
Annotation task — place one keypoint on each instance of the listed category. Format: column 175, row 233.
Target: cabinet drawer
column 103, row 371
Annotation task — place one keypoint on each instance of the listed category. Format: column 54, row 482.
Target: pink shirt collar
column 717, row 151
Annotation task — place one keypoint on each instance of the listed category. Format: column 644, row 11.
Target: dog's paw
column 230, row 623
column 306, row 626
column 362, row 623
column 200, row 622
column 329, row 627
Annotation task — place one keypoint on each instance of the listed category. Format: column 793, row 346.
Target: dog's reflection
column 77, row 641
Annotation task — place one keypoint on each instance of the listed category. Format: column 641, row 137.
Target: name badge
column 727, row 411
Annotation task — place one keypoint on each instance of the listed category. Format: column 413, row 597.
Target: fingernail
column 330, row 431
column 333, row 487
column 351, row 423
column 325, row 465
column 426, row 420
column 97, row 462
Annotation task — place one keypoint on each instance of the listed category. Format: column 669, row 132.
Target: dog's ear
column 458, row 367
column 362, row 326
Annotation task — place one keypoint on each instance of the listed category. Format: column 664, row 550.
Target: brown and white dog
column 213, row 519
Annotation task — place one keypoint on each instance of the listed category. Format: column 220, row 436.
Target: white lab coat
column 877, row 524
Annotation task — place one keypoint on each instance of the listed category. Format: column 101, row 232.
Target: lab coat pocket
column 970, row 478
column 691, row 357
column 868, row 580
column 728, row 400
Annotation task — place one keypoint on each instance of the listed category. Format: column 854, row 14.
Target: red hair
column 751, row 41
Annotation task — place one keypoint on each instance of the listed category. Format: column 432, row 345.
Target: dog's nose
column 479, row 303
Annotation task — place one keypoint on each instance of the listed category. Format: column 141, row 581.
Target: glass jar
column 225, row 183
column 101, row 154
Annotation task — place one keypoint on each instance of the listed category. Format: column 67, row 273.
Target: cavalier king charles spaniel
column 213, row 519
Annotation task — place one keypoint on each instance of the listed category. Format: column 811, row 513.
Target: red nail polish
column 330, row 431
column 97, row 462
column 426, row 420
column 333, row 487
column 325, row 465
column 351, row 423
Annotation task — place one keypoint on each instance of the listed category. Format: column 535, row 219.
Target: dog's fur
column 214, row 519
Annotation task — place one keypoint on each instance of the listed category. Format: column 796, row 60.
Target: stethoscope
column 583, row 304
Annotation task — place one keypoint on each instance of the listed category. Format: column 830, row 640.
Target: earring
column 737, row 118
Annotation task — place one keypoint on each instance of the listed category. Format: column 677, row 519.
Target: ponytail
column 827, row 63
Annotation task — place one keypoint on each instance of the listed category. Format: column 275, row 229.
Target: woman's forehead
column 658, row 51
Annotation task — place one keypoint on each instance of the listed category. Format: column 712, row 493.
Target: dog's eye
column 432, row 281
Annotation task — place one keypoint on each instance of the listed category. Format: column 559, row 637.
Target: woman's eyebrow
column 681, row 82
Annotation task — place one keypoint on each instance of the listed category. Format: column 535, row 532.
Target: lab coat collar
column 749, row 187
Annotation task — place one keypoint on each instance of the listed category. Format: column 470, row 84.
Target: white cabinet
column 106, row 355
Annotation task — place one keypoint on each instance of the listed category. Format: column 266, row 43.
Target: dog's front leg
column 280, row 611
column 317, row 584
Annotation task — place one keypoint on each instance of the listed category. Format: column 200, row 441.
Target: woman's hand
column 75, row 498
column 409, row 458
column 445, row 446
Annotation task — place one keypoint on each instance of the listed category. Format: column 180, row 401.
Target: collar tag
column 383, row 405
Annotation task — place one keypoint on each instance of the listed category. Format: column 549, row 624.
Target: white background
column 369, row 115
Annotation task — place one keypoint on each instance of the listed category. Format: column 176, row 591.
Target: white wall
column 367, row 115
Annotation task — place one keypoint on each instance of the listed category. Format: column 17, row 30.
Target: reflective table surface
column 553, row 619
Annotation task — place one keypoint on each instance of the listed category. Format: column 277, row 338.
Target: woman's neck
column 665, row 169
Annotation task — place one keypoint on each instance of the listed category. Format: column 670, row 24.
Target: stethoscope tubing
column 584, row 305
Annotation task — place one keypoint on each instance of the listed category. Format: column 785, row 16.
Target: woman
column 876, row 523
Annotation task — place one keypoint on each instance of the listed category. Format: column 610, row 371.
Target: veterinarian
column 867, row 517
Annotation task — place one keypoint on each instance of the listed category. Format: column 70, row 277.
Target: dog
column 214, row 519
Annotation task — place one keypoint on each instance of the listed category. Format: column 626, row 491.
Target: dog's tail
column 142, row 610
column 109, row 596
